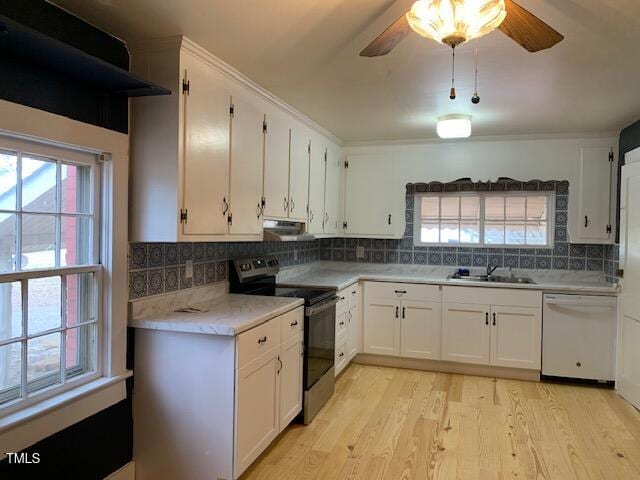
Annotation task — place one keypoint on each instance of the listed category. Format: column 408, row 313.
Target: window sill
column 23, row 428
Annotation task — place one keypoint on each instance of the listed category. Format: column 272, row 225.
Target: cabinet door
column 276, row 166
column 382, row 327
column 247, row 144
column 257, row 422
column 332, row 189
column 299, row 173
column 595, row 194
column 466, row 333
column 317, row 171
column 205, row 166
column 516, row 337
column 369, row 200
column 290, row 380
column 420, row 329
column 352, row 332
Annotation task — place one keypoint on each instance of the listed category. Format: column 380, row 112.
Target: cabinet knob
column 494, row 319
column 486, row 318
column 586, row 221
column 262, row 339
column 341, row 323
column 579, row 364
column 292, row 204
column 293, row 324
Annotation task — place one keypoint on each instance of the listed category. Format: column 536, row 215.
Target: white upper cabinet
column 332, row 190
column 205, row 165
column 276, row 165
column 299, row 173
column 317, row 170
column 370, row 201
column 247, row 140
column 594, row 195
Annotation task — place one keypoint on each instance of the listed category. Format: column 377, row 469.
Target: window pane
column 10, row 310
column 75, row 239
column 8, row 179
column 450, row 232
column 80, row 306
column 43, row 362
column 430, row 208
column 10, row 372
column 494, row 233
column 38, row 241
column 515, row 208
column 38, row 185
column 494, row 208
column 537, row 208
column 45, row 305
column 537, row 233
column 7, row 242
column 450, row 208
column 80, row 350
column 76, row 191
column 470, row 208
column 430, row 233
column 470, row 232
column 514, row 233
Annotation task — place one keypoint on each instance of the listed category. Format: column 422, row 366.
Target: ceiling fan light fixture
column 454, row 126
column 453, row 22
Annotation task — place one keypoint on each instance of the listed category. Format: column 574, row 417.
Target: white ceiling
column 306, row 52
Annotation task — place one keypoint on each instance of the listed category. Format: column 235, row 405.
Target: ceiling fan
column 454, row 22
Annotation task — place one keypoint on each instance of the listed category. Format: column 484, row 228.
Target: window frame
column 417, row 219
column 62, row 155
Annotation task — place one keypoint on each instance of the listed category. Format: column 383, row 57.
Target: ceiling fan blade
column 527, row 29
column 388, row 39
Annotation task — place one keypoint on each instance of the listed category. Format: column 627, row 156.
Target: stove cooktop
column 310, row 295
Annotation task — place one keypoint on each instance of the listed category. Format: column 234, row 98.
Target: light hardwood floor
column 387, row 423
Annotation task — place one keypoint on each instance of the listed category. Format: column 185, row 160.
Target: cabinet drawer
column 341, row 338
column 341, row 322
column 341, row 358
column 343, row 300
column 354, row 295
column 493, row 296
column 292, row 323
column 253, row 343
column 403, row 291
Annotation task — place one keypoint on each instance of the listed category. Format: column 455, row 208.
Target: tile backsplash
column 156, row 268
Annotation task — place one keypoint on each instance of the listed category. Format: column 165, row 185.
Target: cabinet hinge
column 611, row 157
column 230, row 219
column 263, row 202
column 344, row 225
column 232, row 110
column 185, row 86
column 346, row 164
column 264, row 127
column 183, row 215
column 609, row 228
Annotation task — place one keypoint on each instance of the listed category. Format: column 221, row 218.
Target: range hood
column 282, row 231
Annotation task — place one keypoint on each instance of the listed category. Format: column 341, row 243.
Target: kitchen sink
column 493, row 279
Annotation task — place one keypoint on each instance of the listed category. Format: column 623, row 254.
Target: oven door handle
column 309, row 311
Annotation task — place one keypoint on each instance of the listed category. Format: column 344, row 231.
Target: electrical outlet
column 359, row 252
column 188, row 269
column 295, row 255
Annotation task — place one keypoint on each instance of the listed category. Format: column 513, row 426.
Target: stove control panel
column 251, row 268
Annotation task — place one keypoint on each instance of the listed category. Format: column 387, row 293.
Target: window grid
column 421, row 219
column 87, row 366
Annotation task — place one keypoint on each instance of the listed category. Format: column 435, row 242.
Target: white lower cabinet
column 347, row 327
column 420, row 324
column 506, row 332
column 291, row 355
column 382, row 326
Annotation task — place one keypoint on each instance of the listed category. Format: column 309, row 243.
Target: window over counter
column 510, row 219
column 49, row 271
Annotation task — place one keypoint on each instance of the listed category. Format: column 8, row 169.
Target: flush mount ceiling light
column 454, row 126
column 453, row 22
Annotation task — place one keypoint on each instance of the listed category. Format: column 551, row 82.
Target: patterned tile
column 595, row 264
column 186, row 252
column 171, row 281
column 577, row 264
column 435, row 258
column 378, row 256
column 496, row 260
column 595, row 251
column 221, row 271
column 155, row 255
column 560, row 263
column 210, row 252
column 391, row 256
column 577, row 251
column 198, row 274
column 406, row 257
column 420, row 258
column 184, row 282
column 198, row 252
column 465, row 259
column 337, row 255
column 210, row 272
column 511, row 261
column 137, row 256
column 156, row 281
column 450, row 259
column 171, row 255
column 543, row 263
column 137, row 285
column 377, row 244
column 527, row 262
column 479, row 260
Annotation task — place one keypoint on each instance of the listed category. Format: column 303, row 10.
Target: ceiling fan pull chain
column 475, row 99
column 452, row 94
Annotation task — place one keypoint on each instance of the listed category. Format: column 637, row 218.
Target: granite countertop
column 228, row 314
column 340, row 275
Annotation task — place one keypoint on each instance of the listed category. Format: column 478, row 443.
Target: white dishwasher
column 579, row 336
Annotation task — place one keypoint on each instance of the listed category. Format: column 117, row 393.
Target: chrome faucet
column 491, row 269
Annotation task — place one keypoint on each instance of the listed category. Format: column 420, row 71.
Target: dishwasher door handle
column 582, row 303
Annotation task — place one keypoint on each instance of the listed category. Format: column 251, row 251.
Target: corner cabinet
column 372, row 205
column 592, row 205
column 197, row 392
column 324, row 187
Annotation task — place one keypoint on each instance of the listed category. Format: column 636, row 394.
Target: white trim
column 32, row 124
column 26, row 427
column 632, row 156
column 487, row 138
column 236, row 76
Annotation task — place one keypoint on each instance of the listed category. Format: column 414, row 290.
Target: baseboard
column 448, row 367
column 128, row 472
